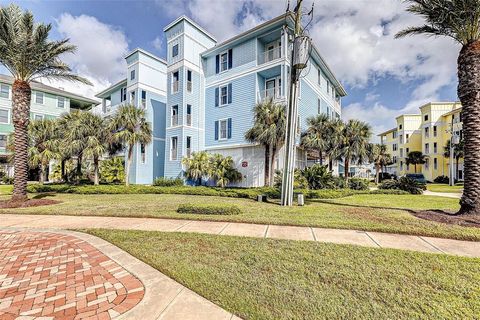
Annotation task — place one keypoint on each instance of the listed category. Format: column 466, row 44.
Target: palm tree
column 317, row 136
column 197, row 166
column 460, row 20
column 43, row 145
column 335, row 133
column 130, row 128
column 27, row 54
column 97, row 139
column 353, row 147
column 458, row 152
column 74, row 126
column 415, row 157
column 268, row 130
column 223, row 171
column 380, row 157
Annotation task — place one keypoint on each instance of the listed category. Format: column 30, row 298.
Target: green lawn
column 275, row 279
column 437, row 187
column 6, row 189
column 362, row 212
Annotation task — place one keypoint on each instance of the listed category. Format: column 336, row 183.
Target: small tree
column 317, row 136
column 223, row 171
column 458, row 152
column 43, row 145
column 97, row 139
column 130, row 128
column 415, row 157
column 197, row 166
column 380, row 158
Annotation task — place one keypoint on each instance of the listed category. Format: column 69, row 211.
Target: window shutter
column 216, row 97
column 229, row 128
column 217, row 64
column 230, row 58
column 216, row 130
column 229, row 93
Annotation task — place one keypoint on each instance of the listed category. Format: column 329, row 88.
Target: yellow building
column 427, row 132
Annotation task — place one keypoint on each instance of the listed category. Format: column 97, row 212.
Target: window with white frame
column 427, row 148
column 175, row 50
column 4, row 116
column 61, row 102
column 223, row 95
column 319, row 105
column 132, row 97
column 3, row 141
column 142, row 153
column 175, row 115
column 223, row 129
column 435, row 163
column 144, row 98
column 427, row 132
column 319, row 76
column 39, row 97
column 189, row 146
column 38, row 117
column 174, row 148
column 4, row 91
column 189, row 80
column 435, row 147
column 224, row 61
column 434, row 131
column 189, row 115
column 132, row 75
column 123, row 94
column 175, row 80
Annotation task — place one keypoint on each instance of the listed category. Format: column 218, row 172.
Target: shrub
column 7, row 180
column 358, row 184
column 319, row 177
column 299, row 181
column 406, row 184
column 167, row 182
column 441, row 179
column 209, row 209
column 112, row 170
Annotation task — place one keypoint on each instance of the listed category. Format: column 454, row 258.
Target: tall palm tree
column 27, row 54
column 458, row 152
column 130, row 127
column 317, row 136
column 415, row 157
column 354, row 143
column 43, row 145
column 197, row 166
column 268, row 130
column 459, row 20
column 335, row 134
column 380, row 158
column 97, row 139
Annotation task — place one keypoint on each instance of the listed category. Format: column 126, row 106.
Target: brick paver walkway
column 58, row 276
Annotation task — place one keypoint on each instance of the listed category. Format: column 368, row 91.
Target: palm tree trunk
column 267, row 165
column 129, row 163
column 469, row 94
column 457, row 160
column 377, row 174
column 41, row 178
column 79, row 167
column 330, row 164
column 21, row 95
column 96, row 180
column 62, row 165
column 346, row 168
column 320, row 155
column 272, row 166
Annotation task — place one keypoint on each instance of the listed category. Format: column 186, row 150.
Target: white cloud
column 157, row 43
column 100, row 52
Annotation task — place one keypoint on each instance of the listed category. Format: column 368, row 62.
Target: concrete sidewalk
column 442, row 194
column 362, row 238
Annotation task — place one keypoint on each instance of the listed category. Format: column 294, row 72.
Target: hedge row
column 208, row 209
column 250, row 193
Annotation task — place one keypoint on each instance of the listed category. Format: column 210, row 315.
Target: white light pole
column 300, row 55
column 454, row 140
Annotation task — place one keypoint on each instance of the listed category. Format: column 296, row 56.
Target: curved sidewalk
column 105, row 271
column 362, row 238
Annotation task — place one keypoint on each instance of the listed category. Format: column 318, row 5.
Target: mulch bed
column 7, row 204
column 449, row 218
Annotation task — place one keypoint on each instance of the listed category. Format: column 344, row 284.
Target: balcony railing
column 173, row 154
column 273, row 93
column 270, row 55
column 175, row 120
column 189, row 86
column 189, row 152
column 189, row 119
column 175, row 86
column 144, row 103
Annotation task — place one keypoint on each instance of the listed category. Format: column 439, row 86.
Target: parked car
column 419, row 177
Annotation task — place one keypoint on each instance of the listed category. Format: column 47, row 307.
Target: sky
column 384, row 77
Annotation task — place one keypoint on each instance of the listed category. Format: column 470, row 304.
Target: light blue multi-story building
column 202, row 96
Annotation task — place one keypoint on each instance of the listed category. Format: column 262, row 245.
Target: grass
column 275, row 279
column 6, row 189
column 384, row 213
column 438, row 187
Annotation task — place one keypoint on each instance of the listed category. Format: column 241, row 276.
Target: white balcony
column 175, row 86
column 272, row 93
column 189, row 119
column 174, row 120
column 189, row 86
column 270, row 55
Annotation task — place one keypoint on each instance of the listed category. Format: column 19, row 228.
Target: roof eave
column 103, row 94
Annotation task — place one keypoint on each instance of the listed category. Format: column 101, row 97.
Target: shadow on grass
column 44, row 195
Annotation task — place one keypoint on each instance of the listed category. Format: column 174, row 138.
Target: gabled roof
column 145, row 52
column 38, row 86
column 193, row 23
column 106, row 92
column 386, row 132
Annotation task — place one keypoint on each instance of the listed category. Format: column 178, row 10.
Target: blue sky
column 383, row 76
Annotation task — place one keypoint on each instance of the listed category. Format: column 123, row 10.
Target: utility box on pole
column 301, row 52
